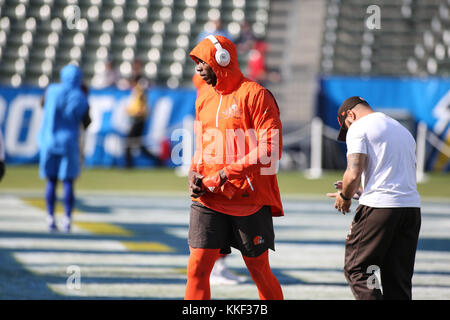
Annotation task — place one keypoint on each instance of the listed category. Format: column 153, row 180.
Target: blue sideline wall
column 21, row 114
column 423, row 99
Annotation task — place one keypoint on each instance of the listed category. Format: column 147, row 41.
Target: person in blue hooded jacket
column 65, row 104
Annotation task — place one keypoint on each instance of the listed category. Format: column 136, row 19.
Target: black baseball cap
column 348, row 104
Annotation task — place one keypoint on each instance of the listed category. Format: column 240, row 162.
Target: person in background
column 107, row 78
column 65, row 105
column 85, row 122
column 137, row 111
column 256, row 65
column 257, row 69
column 213, row 27
column 127, row 81
column 246, row 39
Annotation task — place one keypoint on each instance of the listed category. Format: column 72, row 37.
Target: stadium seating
column 38, row 37
column 413, row 38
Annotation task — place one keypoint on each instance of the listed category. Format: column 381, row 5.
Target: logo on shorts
column 258, row 240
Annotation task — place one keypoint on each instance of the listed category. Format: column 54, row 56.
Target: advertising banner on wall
column 103, row 142
column 422, row 100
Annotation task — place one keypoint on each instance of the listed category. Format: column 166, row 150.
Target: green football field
column 26, row 178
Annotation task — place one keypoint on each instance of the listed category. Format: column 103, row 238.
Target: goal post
column 315, row 171
column 421, row 144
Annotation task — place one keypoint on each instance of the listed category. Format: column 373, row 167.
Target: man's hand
column 351, row 182
column 338, row 186
column 195, row 184
column 340, row 204
column 214, row 182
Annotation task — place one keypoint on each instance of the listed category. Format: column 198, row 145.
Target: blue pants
column 50, row 196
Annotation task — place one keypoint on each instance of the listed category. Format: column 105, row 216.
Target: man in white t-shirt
column 384, row 233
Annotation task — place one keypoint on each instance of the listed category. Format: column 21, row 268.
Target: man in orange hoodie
column 232, row 179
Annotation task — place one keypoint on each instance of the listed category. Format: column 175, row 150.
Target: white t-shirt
column 389, row 179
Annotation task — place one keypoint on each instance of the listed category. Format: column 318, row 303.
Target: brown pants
column 384, row 239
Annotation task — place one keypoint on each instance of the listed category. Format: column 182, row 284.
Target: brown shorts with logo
column 252, row 235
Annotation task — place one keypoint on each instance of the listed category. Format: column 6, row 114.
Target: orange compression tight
column 268, row 286
column 200, row 264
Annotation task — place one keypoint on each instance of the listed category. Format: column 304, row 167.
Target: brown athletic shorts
column 252, row 235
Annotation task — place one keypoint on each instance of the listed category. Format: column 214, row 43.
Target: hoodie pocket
column 238, row 188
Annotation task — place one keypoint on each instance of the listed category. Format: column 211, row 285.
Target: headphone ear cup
column 222, row 57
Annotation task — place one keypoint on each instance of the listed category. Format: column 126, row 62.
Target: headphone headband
column 214, row 41
column 222, row 56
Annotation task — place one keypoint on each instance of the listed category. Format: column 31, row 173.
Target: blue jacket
column 64, row 107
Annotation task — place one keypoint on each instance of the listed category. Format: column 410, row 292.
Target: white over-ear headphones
column 222, row 55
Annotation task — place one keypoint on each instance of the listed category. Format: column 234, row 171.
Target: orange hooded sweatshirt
column 238, row 129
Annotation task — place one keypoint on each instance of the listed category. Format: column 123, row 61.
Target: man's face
column 206, row 72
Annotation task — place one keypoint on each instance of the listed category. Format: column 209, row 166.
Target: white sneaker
column 221, row 275
column 66, row 224
column 51, row 223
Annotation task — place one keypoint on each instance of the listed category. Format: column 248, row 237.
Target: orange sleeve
column 265, row 117
column 197, row 139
